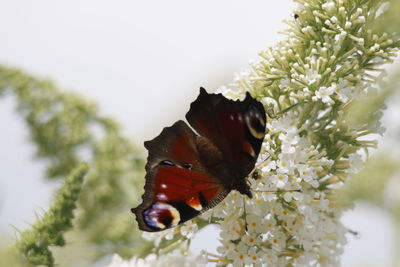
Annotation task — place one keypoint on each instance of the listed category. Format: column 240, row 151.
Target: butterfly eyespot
column 187, row 166
column 161, row 215
column 255, row 123
column 167, row 163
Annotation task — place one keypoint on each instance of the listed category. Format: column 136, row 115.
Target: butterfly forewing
column 177, row 187
column 237, row 128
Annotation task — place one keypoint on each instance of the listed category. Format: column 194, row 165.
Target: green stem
column 35, row 243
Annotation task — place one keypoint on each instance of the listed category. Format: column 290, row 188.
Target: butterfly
column 189, row 171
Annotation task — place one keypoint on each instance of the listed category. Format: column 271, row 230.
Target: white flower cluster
column 329, row 60
column 187, row 230
column 289, row 220
column 172, row 259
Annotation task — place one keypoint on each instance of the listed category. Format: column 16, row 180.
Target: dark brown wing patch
column 237, row 128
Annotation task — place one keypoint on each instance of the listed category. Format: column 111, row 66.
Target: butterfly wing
column 178, row 187
column 237, row 128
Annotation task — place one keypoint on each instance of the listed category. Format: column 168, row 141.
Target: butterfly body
column 190, row 172
column 218, row 166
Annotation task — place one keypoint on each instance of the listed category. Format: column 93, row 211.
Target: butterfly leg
column 245, row 214
column 276, row 191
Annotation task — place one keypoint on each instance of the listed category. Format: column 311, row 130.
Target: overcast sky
column 142, row 62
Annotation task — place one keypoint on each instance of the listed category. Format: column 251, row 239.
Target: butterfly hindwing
column 237, row 128
column 178, row 186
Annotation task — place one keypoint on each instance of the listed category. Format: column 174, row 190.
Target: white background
column 143, row 62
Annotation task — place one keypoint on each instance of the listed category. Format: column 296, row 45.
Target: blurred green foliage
column 371, row 182
column 33, row 246
column 378, row 183
column 48, row 231
column 68, row 129
column 389, row 22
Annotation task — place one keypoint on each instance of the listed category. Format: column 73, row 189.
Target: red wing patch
column 179, row 195
column 173, row 184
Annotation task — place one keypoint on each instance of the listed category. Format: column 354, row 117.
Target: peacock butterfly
column 190, row 172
